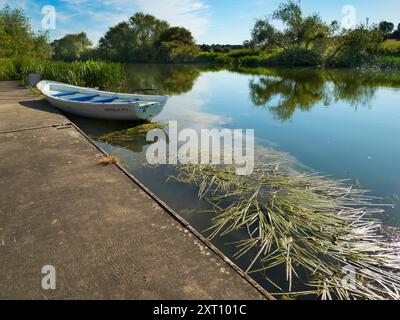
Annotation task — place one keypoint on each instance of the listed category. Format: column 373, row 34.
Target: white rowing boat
column 98, row 104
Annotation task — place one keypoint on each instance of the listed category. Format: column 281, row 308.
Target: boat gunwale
column 44, row 87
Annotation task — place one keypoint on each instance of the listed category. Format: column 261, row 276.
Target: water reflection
column 326, row 135
column 282, row 92
column 165, row 79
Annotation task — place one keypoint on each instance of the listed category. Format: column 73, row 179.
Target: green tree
column 134, row 40
column 308, row 40
column 355, row 46
column 176, row 44
column 4, row 40
column 265, row 35
column 386, row 27
column 71, row 47
column 17, row 37
column 299, row 31
column 396, row 33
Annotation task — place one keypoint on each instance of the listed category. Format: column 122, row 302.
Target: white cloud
column 191, row 14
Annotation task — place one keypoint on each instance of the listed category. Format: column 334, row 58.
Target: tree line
column 388, row 29
column 143, row 38
column 303, row 40
column 308, row 40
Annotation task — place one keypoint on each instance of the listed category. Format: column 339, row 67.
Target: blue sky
column 211, row 21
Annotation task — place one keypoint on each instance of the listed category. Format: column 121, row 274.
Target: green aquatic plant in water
column 304, row 222
column 133, row 138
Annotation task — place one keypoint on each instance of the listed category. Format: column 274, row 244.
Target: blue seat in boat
column 84, row 98
column 128, row 101
column 105, row 100
column 64, row 94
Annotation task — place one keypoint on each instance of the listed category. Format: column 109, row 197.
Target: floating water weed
column 307, row 224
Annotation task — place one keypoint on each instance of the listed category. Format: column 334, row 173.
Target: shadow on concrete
column 98, row 127
column 92, row 127
column 40, row 105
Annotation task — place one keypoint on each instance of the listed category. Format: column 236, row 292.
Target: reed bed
column 304, row 223
column 100, row 74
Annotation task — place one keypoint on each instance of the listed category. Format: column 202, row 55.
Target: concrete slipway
column 106, row 235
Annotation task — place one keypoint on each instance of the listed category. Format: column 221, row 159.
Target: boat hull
column 145, row 109
column 127, row 112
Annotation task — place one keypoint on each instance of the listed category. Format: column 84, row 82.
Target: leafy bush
column 388, row 62
column 244, row 53
column 296, row 57
column 206, row 57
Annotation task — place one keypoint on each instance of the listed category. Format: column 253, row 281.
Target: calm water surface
column 341, row 123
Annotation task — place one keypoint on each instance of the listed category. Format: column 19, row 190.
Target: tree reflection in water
column 166, row 79
column 284, row 91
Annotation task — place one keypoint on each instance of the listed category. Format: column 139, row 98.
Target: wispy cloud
column 192, row 14
column 95, row 17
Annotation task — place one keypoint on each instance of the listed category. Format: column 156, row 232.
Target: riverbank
column 112, row 76
column 256, row 58
column 106, row 236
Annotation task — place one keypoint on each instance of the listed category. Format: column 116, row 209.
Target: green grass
column 388, row 62
column 104, row 75
column 390, row 48
column 391, row 44
column 262, row 58
column 385, row 58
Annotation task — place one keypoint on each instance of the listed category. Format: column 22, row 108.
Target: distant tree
column 134, row 40
column 247, row 44
column 205, row 47
column 176, row 44
column 396, row 33
column 71, row 47
column 17, row 37
column 299, row 31
column 386, row 27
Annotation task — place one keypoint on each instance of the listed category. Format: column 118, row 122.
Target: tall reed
column 104, row 75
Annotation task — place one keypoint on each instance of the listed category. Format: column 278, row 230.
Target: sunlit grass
column 108, row 160
column 391, row 44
